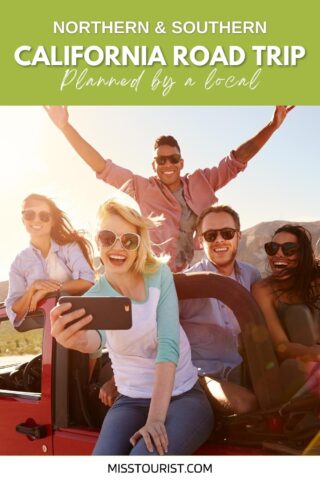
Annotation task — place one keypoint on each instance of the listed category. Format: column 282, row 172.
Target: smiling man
column 179, row 199
column 211, row 327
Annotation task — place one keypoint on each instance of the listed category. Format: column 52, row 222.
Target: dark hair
column 304, row 277
column 217, row 209
column 62, row 231
column 166, row 140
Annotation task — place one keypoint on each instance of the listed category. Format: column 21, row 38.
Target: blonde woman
column 160, row 407
column 58, row 258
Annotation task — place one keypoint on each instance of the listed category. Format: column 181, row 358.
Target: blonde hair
column 146, row 261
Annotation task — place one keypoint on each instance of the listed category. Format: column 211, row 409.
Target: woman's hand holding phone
column 73, row 336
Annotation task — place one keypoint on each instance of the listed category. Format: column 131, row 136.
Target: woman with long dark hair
column 294, row 280
column 58, row 258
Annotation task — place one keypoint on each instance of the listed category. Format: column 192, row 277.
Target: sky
column 280, row 183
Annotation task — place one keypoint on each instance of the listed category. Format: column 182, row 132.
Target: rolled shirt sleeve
column 17, row 287
column 29, row 266
column 118, row 177
column 78, row 265
column 227, row 169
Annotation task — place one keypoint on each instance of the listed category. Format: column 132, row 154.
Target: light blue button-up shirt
column 29, row 265
column 211, row 326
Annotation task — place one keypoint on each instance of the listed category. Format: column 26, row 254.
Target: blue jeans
column 189, row 423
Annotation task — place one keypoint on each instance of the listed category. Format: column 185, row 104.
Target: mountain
column 251, row 245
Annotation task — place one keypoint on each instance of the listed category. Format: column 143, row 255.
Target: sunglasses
column 173, row 159
column 226, row 234
column 128, row 241
column 288, row 248
column 30, row 215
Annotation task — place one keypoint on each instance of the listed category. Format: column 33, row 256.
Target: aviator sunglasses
column 226, row 234
column 30, row 215
column 173, row 159
column 288, row 248
column 128, row 241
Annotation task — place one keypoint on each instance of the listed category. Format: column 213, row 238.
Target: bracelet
column 98, row 352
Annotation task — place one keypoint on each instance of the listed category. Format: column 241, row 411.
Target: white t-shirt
column 55, row 268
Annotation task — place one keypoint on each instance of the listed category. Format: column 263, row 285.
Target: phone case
column 109, row 313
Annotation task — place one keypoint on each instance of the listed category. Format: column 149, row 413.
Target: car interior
column 24, row 375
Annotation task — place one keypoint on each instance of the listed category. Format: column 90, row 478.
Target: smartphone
column 109, row 313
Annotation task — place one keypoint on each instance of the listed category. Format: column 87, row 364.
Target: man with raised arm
column 180, row 199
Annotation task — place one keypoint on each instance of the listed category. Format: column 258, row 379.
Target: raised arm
column 60, row 117
column 248, row 149
column 229, row 167
column 283, row 347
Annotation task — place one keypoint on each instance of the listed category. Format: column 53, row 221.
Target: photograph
column 205, row 215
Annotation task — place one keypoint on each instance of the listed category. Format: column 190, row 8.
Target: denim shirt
column 211, row 327
column 29, row 265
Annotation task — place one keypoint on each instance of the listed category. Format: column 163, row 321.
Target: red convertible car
column 49, row 407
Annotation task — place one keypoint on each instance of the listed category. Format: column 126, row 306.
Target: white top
column 155, row 336
column 55, row 269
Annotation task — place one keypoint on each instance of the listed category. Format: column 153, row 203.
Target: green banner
column 166, row 53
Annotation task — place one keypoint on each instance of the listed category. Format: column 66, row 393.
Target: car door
column 25, row 385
